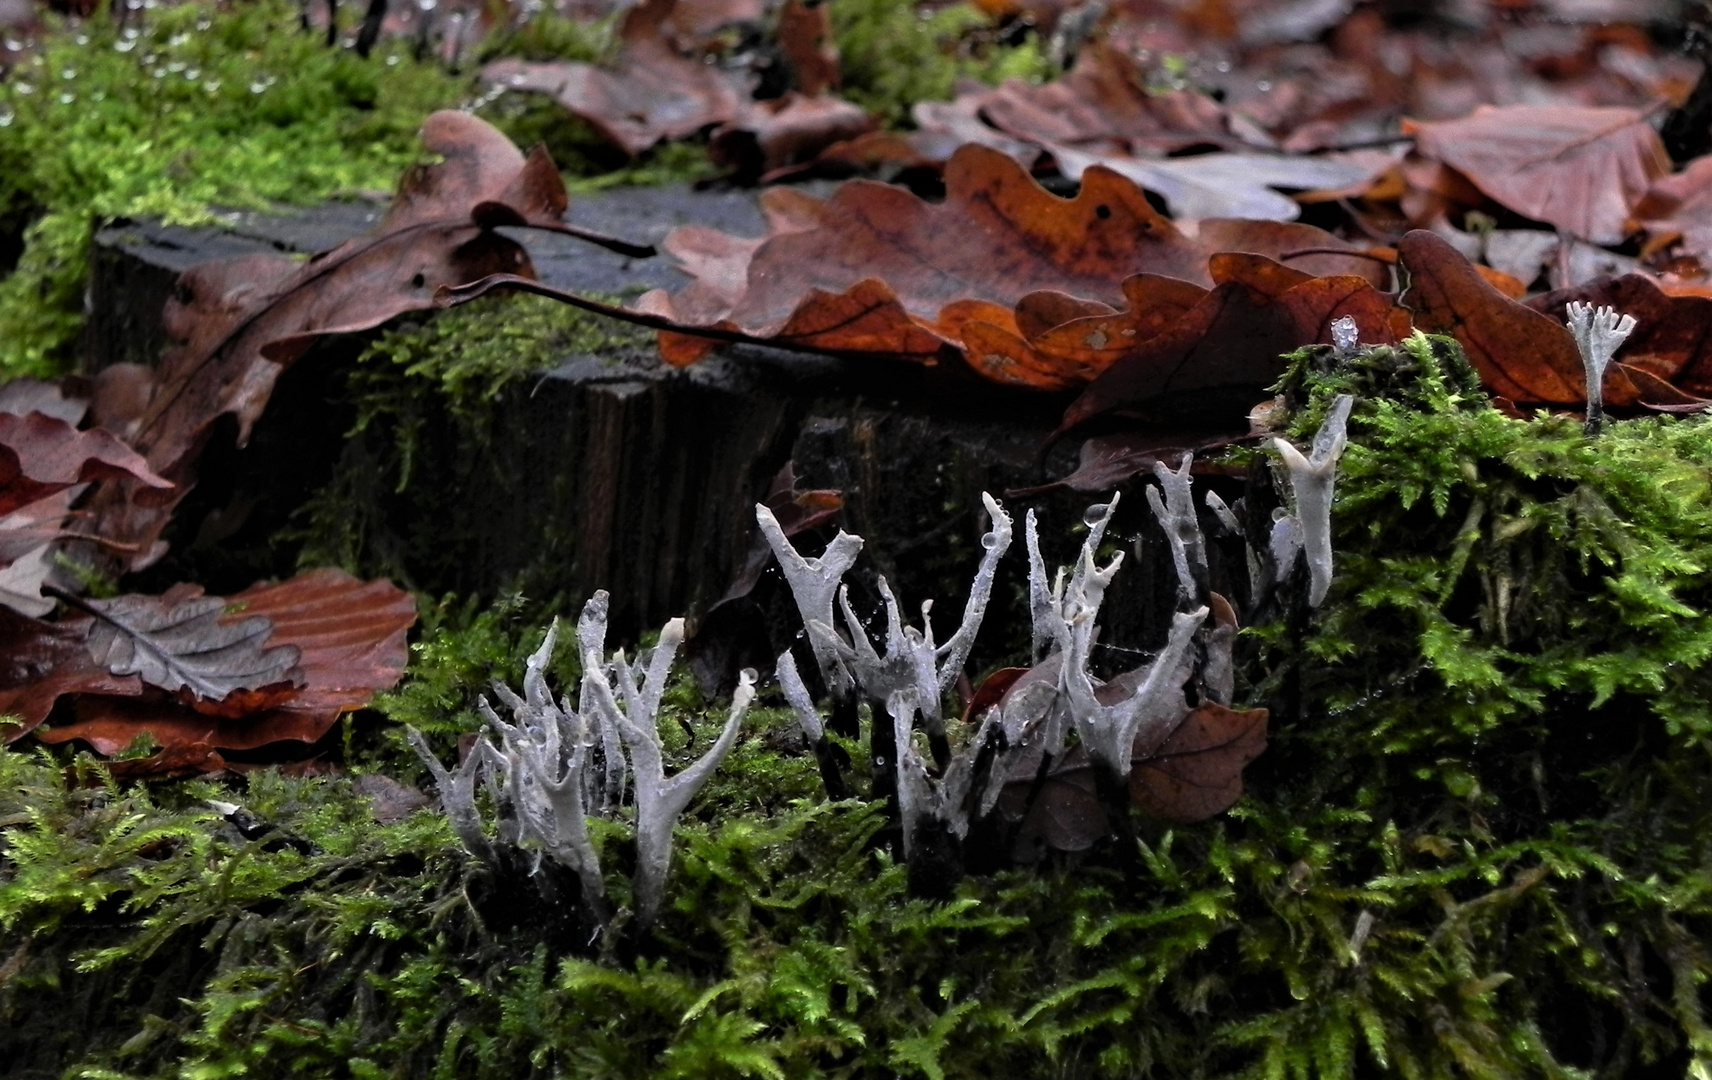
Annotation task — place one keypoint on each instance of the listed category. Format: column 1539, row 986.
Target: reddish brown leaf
column 1039, row 312
column 1091, row 344
column 350, row 635
column 766, row 136
column 173, row 763
column 1103, row 106
column 1520, row 354
column 1198, row 771
column 1580, row 169
column 1024, row 281
column 650, row 93
column 991, row 692
column 40, row 662
column 1066, row 814
column 1678, row 209
column 41, row 455
column 805, row 35
column 796, row 511
column 997, row 237
column 1219, row 356
column 1282, row 240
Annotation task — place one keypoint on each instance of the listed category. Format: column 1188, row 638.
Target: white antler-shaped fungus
column 1176, row 514
column 910, row 677
column 1311, row 482
column 661, row 799
column 541, row 775
column 591, row 645
column 457, row 795
column 814, row 584
column 545, row 753
column 1598, row 333
column 1109, row 731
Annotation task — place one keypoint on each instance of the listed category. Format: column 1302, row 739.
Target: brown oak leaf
column 349, row 636
column 876, row 270
column 1520, row 353
column 1217, row 358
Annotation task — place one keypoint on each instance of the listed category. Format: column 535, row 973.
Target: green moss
column 892, row 56
column 214, row 107
column 1478, row 845
column 547, row 36
column 206, row 107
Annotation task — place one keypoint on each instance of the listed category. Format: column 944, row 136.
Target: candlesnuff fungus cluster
column 1163, row 736
column 545, row 781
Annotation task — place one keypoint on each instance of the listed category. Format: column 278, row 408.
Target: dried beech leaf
column 188, row 645
column 1066, row 814
column 1580, row 169
column 1198, row 771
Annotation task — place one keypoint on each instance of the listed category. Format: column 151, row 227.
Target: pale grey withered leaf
column 186, row 645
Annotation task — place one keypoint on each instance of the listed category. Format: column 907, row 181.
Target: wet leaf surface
column 1197, row 773
column 348, row 637
column 1578, row 169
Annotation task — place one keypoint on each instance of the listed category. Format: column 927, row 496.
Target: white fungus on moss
column 541, row 778
column 1599, row 333
column 1312, row 479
